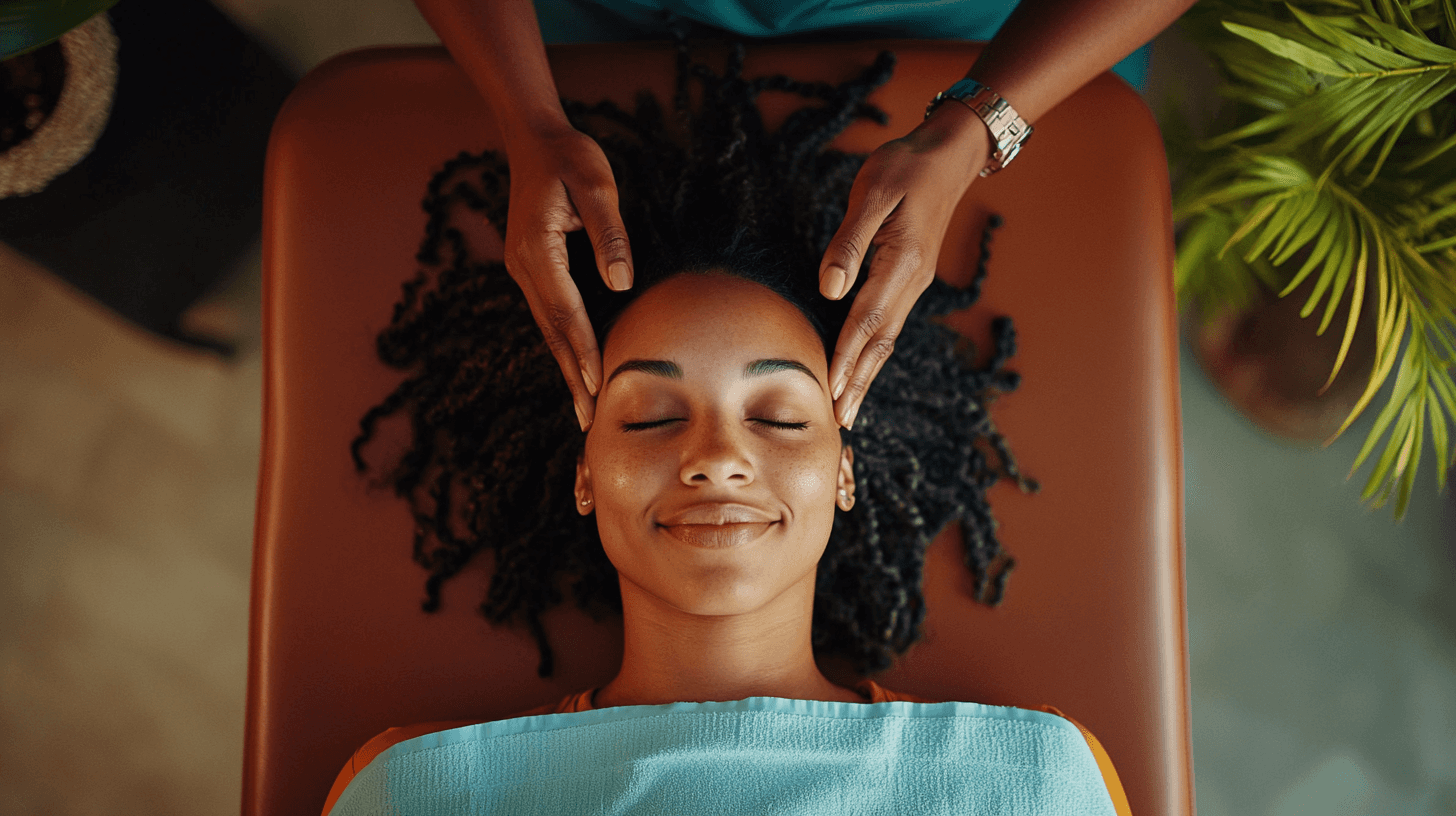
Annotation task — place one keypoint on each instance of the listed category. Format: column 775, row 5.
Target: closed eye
column 658, row 423
column 789, row 426
column 642, row 426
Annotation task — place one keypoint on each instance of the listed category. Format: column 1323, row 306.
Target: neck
column 672, row 656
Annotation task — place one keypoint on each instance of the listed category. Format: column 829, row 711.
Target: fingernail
column 619, row 276
column 839, row 386
column 853, row 415
column 581, row 417
column 591, row 384
column 832, row 284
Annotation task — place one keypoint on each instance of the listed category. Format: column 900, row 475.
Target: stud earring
column 585, row 502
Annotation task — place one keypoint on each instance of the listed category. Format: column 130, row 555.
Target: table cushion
column 1093, row 620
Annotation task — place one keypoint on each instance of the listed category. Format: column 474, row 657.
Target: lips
column 717, row 513
column 717, row 525
column 718, row 536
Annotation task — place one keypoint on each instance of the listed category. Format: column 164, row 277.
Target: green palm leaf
column 1296, row 52
column 1339, row 168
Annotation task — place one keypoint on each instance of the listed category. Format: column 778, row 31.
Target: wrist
column 958, row 129
column 534, row 125
column 1008, row 131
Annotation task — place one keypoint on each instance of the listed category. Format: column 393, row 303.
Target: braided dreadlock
column 495, row 442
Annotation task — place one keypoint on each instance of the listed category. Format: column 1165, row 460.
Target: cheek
column 809, row 481
column 623, row 476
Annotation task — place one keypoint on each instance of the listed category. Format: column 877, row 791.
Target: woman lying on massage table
column 715, row 501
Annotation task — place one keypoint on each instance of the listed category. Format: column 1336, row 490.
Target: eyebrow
column 760, row 367
column 670, row 370
column 660, row 368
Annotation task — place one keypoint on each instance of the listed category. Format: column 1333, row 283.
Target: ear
column 584, row 499
column 844, row 490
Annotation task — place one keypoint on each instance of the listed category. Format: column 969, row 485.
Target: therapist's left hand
column 901, row 203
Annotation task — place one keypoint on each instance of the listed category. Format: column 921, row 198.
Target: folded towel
column 762, row 755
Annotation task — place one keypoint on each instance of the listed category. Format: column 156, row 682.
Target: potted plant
column 1332, row 177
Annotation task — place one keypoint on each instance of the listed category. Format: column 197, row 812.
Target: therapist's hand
column 561, row 182
column 901, row 203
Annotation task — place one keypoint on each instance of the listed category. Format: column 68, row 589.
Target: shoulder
column 880, row 694
column 1104, row 762
column 393, row 736
column 378, row 745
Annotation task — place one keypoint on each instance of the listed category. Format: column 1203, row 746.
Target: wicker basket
column 71, row 130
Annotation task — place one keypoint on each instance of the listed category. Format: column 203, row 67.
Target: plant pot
column 1271, row 365
column 54, row 103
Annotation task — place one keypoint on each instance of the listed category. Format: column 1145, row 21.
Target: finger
column 557, row 307
column 597, row 208
column 890, row 291
column 573, row 370
column 877, row 351
column 851, row 242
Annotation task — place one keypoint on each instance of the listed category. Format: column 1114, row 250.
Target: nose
column 717, row 455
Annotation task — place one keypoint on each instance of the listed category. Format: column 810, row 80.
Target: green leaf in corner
column 1390, row 327
column 1436, row 246
column 1316, row 256
column 1440, row 439
column 1280, row 222
column 1345, row 42
column 1310, row 221
column 1300, row 54
column 1400, row 436
column 1333, row 264
column 1410, row 44
column 1410, row 458
column 1357, row 300
column 1253, row 221
column 26, row 25
column 1349, row 254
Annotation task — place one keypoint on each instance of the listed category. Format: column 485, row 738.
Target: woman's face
column 714, row 461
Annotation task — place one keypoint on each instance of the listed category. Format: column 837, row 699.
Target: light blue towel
column 762, row 755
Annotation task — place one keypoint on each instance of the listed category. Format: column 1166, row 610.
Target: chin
column 720, row 595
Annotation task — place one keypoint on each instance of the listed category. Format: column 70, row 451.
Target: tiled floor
column 1323, row 636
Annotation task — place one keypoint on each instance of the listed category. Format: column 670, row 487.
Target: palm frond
column 1362, row 91
column 1339, row 169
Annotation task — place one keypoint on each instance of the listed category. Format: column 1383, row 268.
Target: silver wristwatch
column 1008, row 130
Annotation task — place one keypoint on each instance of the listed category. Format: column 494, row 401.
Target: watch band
column 1008, row 130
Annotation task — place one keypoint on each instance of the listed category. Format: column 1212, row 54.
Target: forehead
column 713, row 317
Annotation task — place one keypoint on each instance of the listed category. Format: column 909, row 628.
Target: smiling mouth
column 718, row 536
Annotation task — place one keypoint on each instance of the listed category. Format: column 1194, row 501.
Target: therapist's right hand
column 561, row 182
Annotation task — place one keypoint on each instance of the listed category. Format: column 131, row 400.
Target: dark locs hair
column 491, row 464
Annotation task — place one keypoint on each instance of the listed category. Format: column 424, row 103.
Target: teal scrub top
column 571, row 21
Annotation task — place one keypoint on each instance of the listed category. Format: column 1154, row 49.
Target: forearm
column 498, row 45
column 1049, row 48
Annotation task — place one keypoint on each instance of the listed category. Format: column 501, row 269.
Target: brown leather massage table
column 1094, row 617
